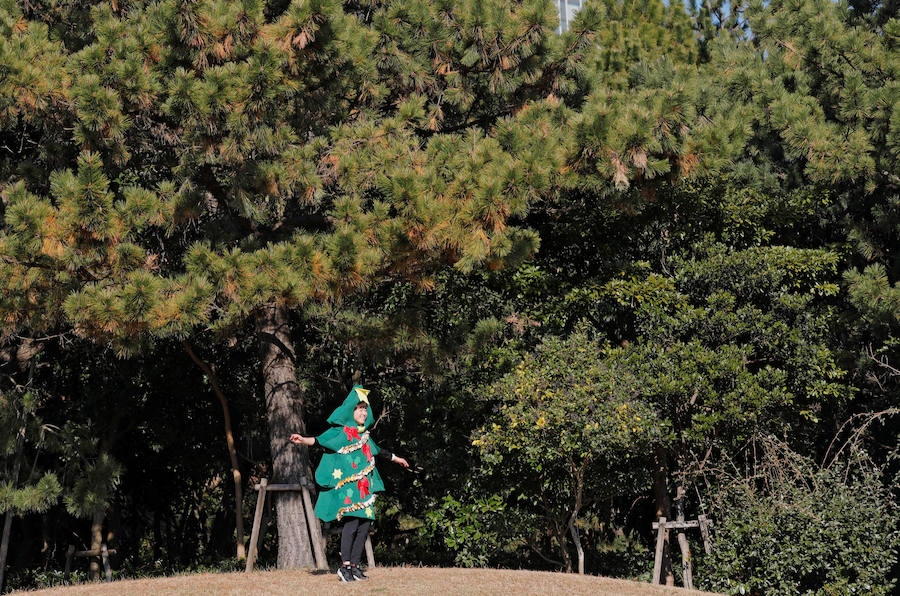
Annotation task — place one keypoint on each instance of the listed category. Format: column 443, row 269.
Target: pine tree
column 294, row 162
column 820, row 80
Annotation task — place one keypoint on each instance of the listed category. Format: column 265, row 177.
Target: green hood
column 343, row 414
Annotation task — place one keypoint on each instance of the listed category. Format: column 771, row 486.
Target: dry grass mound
column 404, row 581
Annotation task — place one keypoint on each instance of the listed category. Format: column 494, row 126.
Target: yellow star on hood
column 362, row 394
column 337, row 473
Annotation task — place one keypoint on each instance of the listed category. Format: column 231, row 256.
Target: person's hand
column 295, row 438
column 402, row 462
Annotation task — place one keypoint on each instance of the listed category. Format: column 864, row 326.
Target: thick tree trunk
column 232, row 451
column 284, row 410
column 663, row 506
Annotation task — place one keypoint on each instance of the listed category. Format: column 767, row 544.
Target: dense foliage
column 794, row 527
column 584, row 274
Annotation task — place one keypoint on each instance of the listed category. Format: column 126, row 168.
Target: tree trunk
column 7, row 523
column 232, row 452
column 578, row 471
column 96, row 541
column 663, row 506
column 284, row 410
column 578, row 549
column 4, row 546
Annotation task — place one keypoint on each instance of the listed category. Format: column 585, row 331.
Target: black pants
column 353, row 539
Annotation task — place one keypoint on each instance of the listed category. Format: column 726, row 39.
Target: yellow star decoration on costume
column 337, row 473
column 369, row 511
column 363, row 394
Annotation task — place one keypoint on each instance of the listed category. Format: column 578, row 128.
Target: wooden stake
column 704, row 531
column 257, row 518
column 686, row 569
column 104, row 556
column 370, row 553
column 315, row 529
column 660, row 544
column 687, row 577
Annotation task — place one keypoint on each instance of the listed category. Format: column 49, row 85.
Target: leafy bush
column 793, row 528
column 474, row 530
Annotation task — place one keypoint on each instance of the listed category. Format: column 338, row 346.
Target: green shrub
column 793, row 528
column 476, row 531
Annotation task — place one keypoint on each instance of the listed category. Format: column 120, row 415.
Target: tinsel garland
column 355, row 446
column 364, row 472
column 355, row 507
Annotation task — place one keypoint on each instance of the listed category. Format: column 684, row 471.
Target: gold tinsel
column 355, row 507
column 358, row 445
column 364, row 472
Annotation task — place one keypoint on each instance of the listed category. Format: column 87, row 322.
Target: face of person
column 360, row 413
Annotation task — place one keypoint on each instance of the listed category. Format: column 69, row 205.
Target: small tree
column 568, row 423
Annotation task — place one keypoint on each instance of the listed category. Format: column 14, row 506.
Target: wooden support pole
column 662, row 528
column 257, row 518
column 687, row 568
column 104, row 556
column 318, row 536
column 687, row 575
column 92, row 553
column 370, row 553
column 271, row 488
column 679, row 525
column 315, row 530
column 102, row 553
column 704, row 531
column 692, row 523
column 660, row 544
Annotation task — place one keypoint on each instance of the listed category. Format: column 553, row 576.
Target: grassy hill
column 405, row 581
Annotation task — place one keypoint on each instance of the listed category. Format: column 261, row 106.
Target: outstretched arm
column 385, row 454
column 301, row 440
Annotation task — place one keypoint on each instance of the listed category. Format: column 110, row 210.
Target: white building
column 567, row 10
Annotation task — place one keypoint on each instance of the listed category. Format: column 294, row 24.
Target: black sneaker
column 358, row 575
column 345, row 574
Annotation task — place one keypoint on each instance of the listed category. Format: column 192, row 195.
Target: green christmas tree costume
column 349, row 471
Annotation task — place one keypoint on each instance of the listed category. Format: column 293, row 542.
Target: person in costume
column 348, row 473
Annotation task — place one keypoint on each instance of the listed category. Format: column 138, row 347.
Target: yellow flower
column 541, row 422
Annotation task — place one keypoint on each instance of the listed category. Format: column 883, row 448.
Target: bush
column 472, row 530
column 792, row 528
